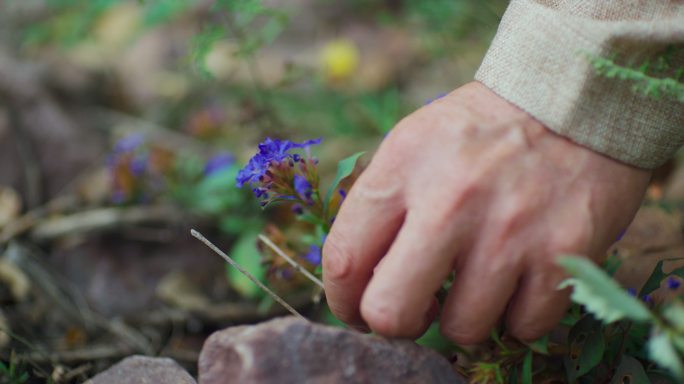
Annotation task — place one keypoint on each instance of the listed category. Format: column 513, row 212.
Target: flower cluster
column 141, row 170
column 275, row 173
column 218, row 163
column 128, row 163
column 285, row 171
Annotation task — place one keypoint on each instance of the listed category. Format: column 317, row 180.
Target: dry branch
column 232, row 262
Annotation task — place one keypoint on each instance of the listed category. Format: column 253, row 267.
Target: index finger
column 364, row 229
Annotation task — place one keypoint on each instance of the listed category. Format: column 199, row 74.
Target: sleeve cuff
column 539, row 61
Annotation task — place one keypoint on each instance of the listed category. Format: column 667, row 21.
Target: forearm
column 540, row 61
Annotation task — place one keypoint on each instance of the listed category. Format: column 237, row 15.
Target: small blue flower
column 270, row 151
column 118, row 196
column 260, row 192
column 303, row 188
column 129, row 143
column 138, row 165
column 218, row 162
column 314, row 255
column 277, row 150
column 286, row 274
column 673, row 283
column 647, row 299
column 631, row 292
column 255, row 168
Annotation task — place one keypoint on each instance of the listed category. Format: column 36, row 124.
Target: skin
column 473, row 185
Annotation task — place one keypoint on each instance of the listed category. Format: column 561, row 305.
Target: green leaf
column 433, row 339
column 246, row 254
column 612, row 264
column 161, row 11
column 540, row 345
column 674, row 313
column 599, row 293
column 654, row 280
column 678, row 341
column 630, row 371
column 217, row 192
column 657, row 277
column 201, row 46
column 309, row 218
column 663, row 353
column 344, row 168
column 527, row 369
column 513, row 376
column 585, row 347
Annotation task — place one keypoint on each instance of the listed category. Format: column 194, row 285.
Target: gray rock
column 144, row 370
column 290, row 350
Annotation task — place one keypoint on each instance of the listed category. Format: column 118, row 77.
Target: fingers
column 363, row 231
column 479, row 295
column 538, row 305
column 399, row 297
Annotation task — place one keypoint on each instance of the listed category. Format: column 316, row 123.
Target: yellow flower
column 339, row 59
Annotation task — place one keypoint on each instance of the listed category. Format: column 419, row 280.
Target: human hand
column 472, row 184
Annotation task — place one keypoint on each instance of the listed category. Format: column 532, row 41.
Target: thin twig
column 292, row 262
column 101, row 220
column 100, row 352
column 232, row 262
column 81, row 370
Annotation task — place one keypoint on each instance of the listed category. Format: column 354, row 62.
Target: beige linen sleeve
column 539, row 61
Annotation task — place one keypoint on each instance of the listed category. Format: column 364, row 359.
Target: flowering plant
column 613, row 334
column 285, row 171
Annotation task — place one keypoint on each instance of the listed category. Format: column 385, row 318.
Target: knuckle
column 573, row 239
column 401, row 136
column 453, row 206
column 512, row 221
column 376, row 191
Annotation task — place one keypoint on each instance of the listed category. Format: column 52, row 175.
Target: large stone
column 290, row 350
column 144, row 370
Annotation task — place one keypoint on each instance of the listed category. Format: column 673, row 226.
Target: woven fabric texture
column 540, row 61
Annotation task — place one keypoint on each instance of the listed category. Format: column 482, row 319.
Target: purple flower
column 255, row 168
column 138, row 165
column 297, row 209
column 218, row 162
column 303, row 188
column 631, row 292
column 647, row 299
column 129, row 143
column 314, row 255
column 286, row 274
column 621, row 235
column 277, row 150
column 673, row 283
column 270, row 151
column 118, row 196
column 260, row 192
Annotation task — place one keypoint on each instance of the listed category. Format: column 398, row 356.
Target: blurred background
column 123, row 124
